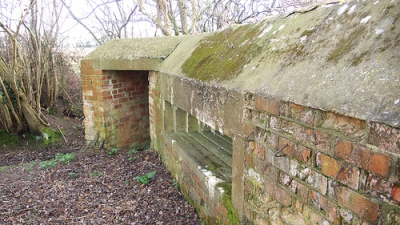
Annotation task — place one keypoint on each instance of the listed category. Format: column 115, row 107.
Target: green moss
column 346, row 44
column 7, row 139
column 223, row 55
column 307, row 33
column 356, row 60
column 232, row 214
column 49, row 136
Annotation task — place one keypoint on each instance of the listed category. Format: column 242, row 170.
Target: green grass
column 146, row 178
column 49, row 136
column 65, row 158
column 7, row 139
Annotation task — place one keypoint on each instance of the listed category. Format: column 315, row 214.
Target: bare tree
column 28, row 69
column 194, row 16
column 106, row 19
column 111, row 19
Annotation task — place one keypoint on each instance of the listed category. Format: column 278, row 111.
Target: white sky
column 70, row 30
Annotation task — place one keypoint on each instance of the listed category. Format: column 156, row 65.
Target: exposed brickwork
column 115, row 106
column 320, row 165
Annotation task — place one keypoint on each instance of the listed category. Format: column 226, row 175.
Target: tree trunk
column 35, row 124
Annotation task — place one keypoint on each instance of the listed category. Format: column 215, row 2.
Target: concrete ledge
column 210, row 154
column 212, row 172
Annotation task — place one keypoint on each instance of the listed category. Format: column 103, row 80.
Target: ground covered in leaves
column 63, row 184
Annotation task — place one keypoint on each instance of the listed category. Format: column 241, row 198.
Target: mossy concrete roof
column 342, row 57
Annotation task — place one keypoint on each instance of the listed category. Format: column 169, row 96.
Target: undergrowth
column 64, row 158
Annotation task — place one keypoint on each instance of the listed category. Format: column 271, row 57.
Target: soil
column 96, row 187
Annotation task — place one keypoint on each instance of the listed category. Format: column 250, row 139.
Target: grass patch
column 7, row 139
column 65, row 158
column 49, row 136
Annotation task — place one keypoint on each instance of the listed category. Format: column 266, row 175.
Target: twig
column 65, row 139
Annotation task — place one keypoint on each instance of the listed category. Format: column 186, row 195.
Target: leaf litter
column 93, row 188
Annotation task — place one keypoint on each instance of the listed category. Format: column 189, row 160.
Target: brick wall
column 209, row 201
column 304, row 165
column 292, row 164
column 301, row 165
column 115, row 106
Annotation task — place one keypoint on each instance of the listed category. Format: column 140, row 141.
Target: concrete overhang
column 133, row 54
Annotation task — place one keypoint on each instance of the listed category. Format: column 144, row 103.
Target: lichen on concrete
column 339, row 57
column 221, row 56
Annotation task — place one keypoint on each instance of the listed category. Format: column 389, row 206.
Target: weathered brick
column 249, row 159
column 396, row 193
column 357, row 203
column 285, row 179
column 291, row 218
column 274, row 123
column 282, row 163
column 346, row 125
column 385, row 137
column 380, row 164
column 346, row 174
column 377, row 187
column 278, row 193
column 318, row 182
column 271, row 172
column 349, row 176
column 329, row 166
column 347, row 216
column 343, row 149
column 298, row 152
column 300, row 190
column 320, row 202
column 355, row 154
column 270, row 106
column 322, row 141
column 260, row 151
column 364, row 157
column 313, row 216
column 298, row 112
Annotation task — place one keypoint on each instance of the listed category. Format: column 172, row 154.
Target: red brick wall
column 324, row 166
column 115, row 106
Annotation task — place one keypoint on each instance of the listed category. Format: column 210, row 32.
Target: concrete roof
column 342, row 57
column 339, row 57
column 133, row 54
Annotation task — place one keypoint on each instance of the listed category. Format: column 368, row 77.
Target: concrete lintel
column 127, row 64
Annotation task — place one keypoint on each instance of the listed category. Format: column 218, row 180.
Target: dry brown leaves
column 95, row 188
